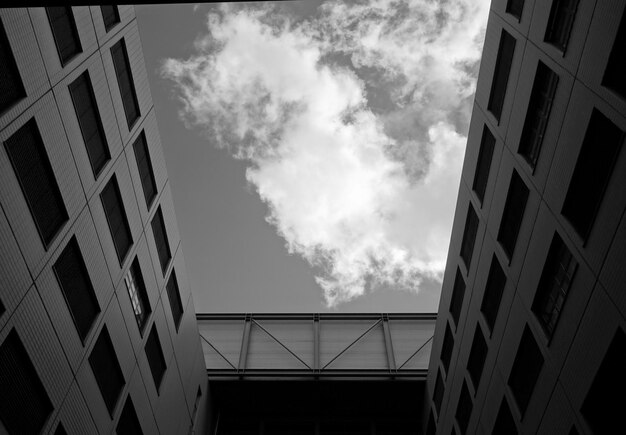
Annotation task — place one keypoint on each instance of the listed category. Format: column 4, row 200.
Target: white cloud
column 365, row 192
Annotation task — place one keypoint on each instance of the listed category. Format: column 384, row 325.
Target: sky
column 314, row 149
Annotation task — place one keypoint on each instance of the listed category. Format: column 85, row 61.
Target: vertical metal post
column 245, row 343
column 391, row 361
column 316, row 344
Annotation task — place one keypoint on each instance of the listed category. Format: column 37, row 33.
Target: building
column 530, row 332
column 97, row 324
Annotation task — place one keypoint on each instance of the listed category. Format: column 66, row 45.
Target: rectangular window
column 446, row 348
column 538, row 113
column 526, row 369
column 496, row 281
column 60, row 430
column 505, row 425
column 556, row 279
column 616, row 68
column 464, row 409
column 106, row 369
column 469, row 236
column 90, row 123
column 513, row 214
column 29, row 159
column 64, row 32
column 110, row 16
column 138, row 295
column 458, row 293
column 477, row 357
column 160, row 238
column 116, row 217
column 156, row 360
column 24, row 403
column 78, row 292
column 485, row 155
column 515, row 8
column 1, row 308
column 431, row 427
column 128, row 423
column 501, row 74
column 560, row 23
column 601, row 412
column 11, row 86
column 145, row 169
column 438, row 393
column 173, row 294
column 125, row 82
column 593, row 170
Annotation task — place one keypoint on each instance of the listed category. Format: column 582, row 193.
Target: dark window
column 464, row 409
column 110, row 16
column 554, row 284
column 116, row 217
column 594, row 166
column 560, row 23
column 477, row 357
column 173, row 294
column 125, row 82
column 64, row 31
column 90, row 122
column 106, row 369
column 573, row 431
column 493, row 293
column 539, row 107
column 601, row 412
column 431, row 427
column 77, row 289
column 145, row 169
column 34, row 173
column 128, row 423
column 485, row 155
column 11, row 86
column 138, row 296
column 505, row 425
column 616, row 68
column 469, row 236
column 156, row 360
column 60, row 430
column 446, row 348
column 513, row 214
column 1, row 308
column 501, row 74
column 515, row 8
column 526, row 369
column 160, row 238
column 24, row 403
column 458, row 292
column 438, row 393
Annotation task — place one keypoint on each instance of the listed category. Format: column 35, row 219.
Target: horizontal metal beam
column 311, row 316
column 415, row 374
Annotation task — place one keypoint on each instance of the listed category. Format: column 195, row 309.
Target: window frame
column 12, row 69
column 73, row 31
column 500, row 81
column 513, row 214
column 102, row 381
column 113, row 184
column 121, row 43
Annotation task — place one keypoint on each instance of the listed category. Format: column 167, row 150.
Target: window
column 501, row 74
column 64, row 32
column 110, row 16
column 458, row 292
column 77, row 289
column 493, row 293
column 173, row 294
column 539, row 107
column 11, row 86
column 156, row 360
column 515, row 8
column 145, row 169
column 526, row 369
column 602, row 413
column 116, row 217
column 34, row 174
column 90, row 122
column 438, row 393
column 477, row 357
column 513, row 214
column 60, row 430
column 485, row 155
column 469, row 236
column 125, row 82
column 160, row 238
column 446, row 348
column 560, row 23
column 464, row 409
column 431, row 426
column 505, row 425
column 128, row 423
column 106, row 369
column 554, row 285
column 594, row 166
column 24, row 403
column 138, row 296
column 616, row 68
column 1, row 308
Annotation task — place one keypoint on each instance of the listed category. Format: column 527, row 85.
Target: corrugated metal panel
column 407, row 337
column 266, row 353
column 368, row 353
column 225, row 336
